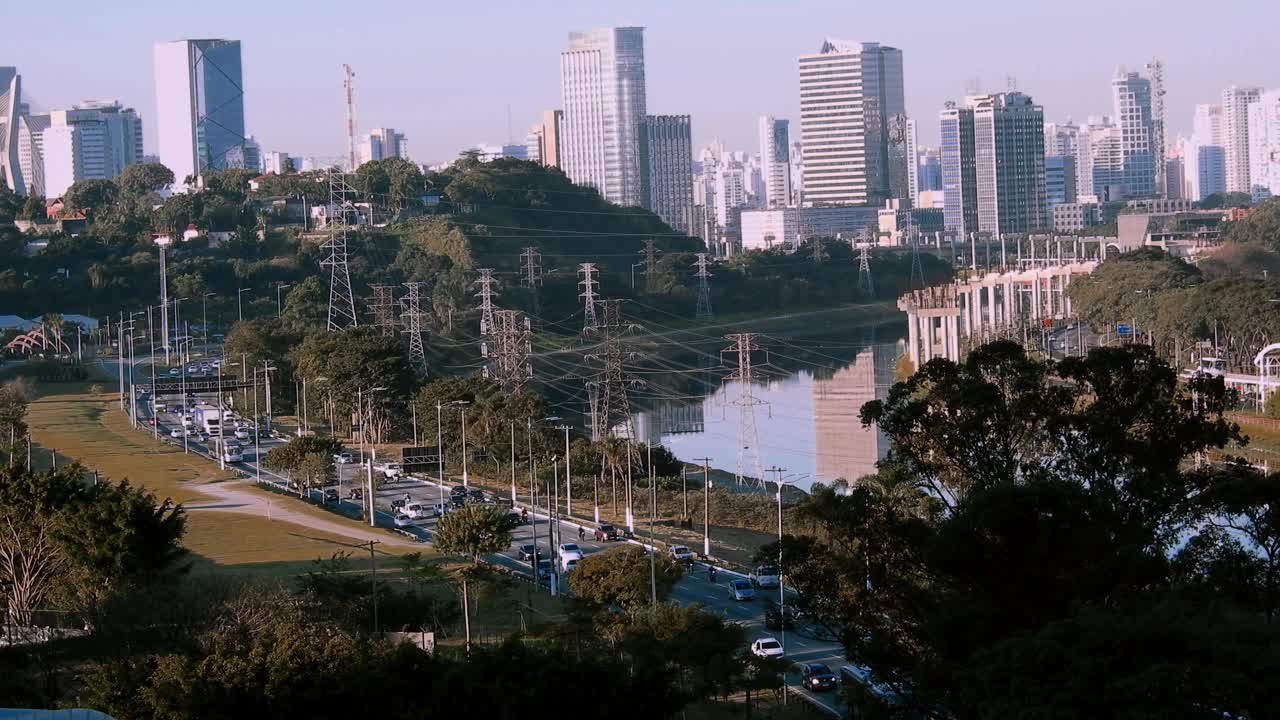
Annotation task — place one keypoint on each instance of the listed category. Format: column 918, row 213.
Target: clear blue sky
column 446, row 72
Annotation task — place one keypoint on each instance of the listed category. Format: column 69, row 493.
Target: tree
column 474, row 531
column 289, row 458
column 33, row 208
column 90, row 196
column 179, row 211
column 315, row 471
column 353, row 363
column 1215, row 201
column 620, row 576
column 142, row 179
column 1260, row 227
column 14, row 399
column 306, row 305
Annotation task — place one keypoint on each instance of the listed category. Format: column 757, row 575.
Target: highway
column 693, row 588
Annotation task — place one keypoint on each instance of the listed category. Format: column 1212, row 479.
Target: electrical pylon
column 819, row 250
column 342, row 304
column 485, row 282
column 508, row 350
column 530, row 268
column 704, row 288
column 588, row 284
column 650, row 253
column 744, row 344
column 866, row 286
column 611, row 405
column 411, row 321
column 382, row 306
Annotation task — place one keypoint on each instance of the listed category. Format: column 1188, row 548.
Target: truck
column 209, row 419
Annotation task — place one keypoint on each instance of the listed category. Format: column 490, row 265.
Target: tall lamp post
column 463, row 404
column 204, row 315
column 222, row 417
column 240, row 304
column 568, row 483
column 279, row 287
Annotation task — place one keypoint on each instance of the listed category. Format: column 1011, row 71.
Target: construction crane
column 349, row 85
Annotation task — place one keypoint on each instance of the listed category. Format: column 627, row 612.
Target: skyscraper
column 959, row 181
column 10, row 112
column 993, row 165
column 666, row 144
column 199, row 105
column 775, row 158
column 551, row 139
column 1235, row 134
column 1059, row 179
column 848, row 94
column 382, row 144
column 1204, row 156
column 603, row 93
column 91, row 141
column 1131, row 99
column 1264, row 146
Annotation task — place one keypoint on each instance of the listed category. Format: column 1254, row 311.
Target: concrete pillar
column 953, row 338
column 913, row 339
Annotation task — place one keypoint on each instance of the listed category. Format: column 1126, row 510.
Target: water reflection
column 809, row 424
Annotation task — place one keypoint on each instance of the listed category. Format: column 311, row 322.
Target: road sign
column 1124, row 330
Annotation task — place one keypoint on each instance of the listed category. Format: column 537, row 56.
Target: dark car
column 517, row 518
column 606, row 533
column 331, row 495
column 457, row 490
column 458, row 500
column 817, row 676
column 398, row 504
column 527, row 551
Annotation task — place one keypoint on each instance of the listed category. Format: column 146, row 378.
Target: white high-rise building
column 278, row 163
column 382, row 144
column 1264, row 146
column 31, row 151
column 849, row 92
column 730, row 193
column 775, row 160
column 91, row 141
column 1204, row 157
column 10, row 111
column 602, row 90
column 1235, row 134
column 199, row 106
column 1131, row 98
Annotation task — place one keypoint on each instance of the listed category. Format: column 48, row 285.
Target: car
column 175, row 371
column 160, row 405
column 188, row 421
column 390, row 470
column 517, row 518
column 851, row 675
column 765, row 576
column 526, row 552
column 458, row 491
column 818, row 677
column 356, row 494
column 398, row 504
column 417, row 510
column 767, row 647
column 606, row 533
column 344, row 458
column 740, row 589
column 781, row 617
column 243, row 433
column 176, row 433
column 331, row 495
column 458, row 501
column 568, row 564
column 680, row 553
column 403, row 521
column 544, row 569
column 441, row 509
column 479, row 496
column 198, row 436
column 570, row 550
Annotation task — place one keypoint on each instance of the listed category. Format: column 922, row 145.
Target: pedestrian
column 711, row 573
column 582, row 533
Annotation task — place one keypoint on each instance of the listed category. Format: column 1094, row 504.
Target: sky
column 449, row 75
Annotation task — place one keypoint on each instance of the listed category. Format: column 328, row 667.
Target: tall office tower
column 730, row 193
column 1175, row 173
column 31, row 151
column 10, row 112
column 1059, row 179
column 901, row 164
column 91, row 141
column 1235, row 134
column 959, row 178
column 602, row 89
column 1131, row 100
column 1264, row 146
column 551, row 139
column 848, row 93
column 1008, row 140
column 753, row 179
column 797, row 173
column 382, row 144
column 199, row 105
column 666, row 144
column 912, row 161
column 278, row 163
column 1100, row 160
column 929, row 171
column 1061, row 138
column 775, row 159
column 1204, row 159
column 533, row 144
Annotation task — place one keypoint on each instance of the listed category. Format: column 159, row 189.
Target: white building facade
column 602, row 86
column 1235, row 134
column 199, row 105
column 382, row 144
column 1264, row 146
column 10, row 110
column 91, row 141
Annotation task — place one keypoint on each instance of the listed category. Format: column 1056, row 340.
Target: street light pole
column 280, row 286
column 568, row 482
column 466, row 479
column 440, row 449
column 706, row 506
column 204, row 315
column 239, row 304
column 513, row 464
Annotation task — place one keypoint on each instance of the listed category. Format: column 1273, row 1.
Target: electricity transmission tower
column 610, row 404
column 512, row 343
column 486, row 295
column 819, row 250
column 744, row 344
column 530, row 268
column 588, row 295
column 383, row 309
column 865, row 285
column 704, row 288
column 650, row 254
column 342, row 304
column 411, row 320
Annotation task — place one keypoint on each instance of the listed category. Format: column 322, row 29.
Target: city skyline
column 293, row 83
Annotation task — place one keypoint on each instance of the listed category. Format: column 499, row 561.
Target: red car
column 606, row 533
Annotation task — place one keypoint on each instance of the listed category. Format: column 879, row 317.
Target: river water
column 807, row 417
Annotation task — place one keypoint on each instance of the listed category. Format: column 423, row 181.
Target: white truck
column 209, row 419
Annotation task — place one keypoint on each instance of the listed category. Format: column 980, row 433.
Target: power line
column 610, row 403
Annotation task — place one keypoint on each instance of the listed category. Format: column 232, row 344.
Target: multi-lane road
column 695, row 587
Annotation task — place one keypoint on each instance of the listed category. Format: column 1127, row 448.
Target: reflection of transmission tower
column 704, row 288
column 383, row 309
column 588, row 295
column 342, row 304
column 610, row 406
column 748, row 437
column 485, row 282
column 650, row 267
column 819, row 250
column 508, row 350
column 530, row 268
column 866, row 287
column 411, row 319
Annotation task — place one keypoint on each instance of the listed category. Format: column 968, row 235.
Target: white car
column 441, row 509
column 344, row 458
column 570, row 551
column 391, row 470
column 767, row 647
column 568, row 564
column 765, row 576
column 176, row 433
column 187, row 422
column 680, row 553
column 403, row 521
column 417, row 510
